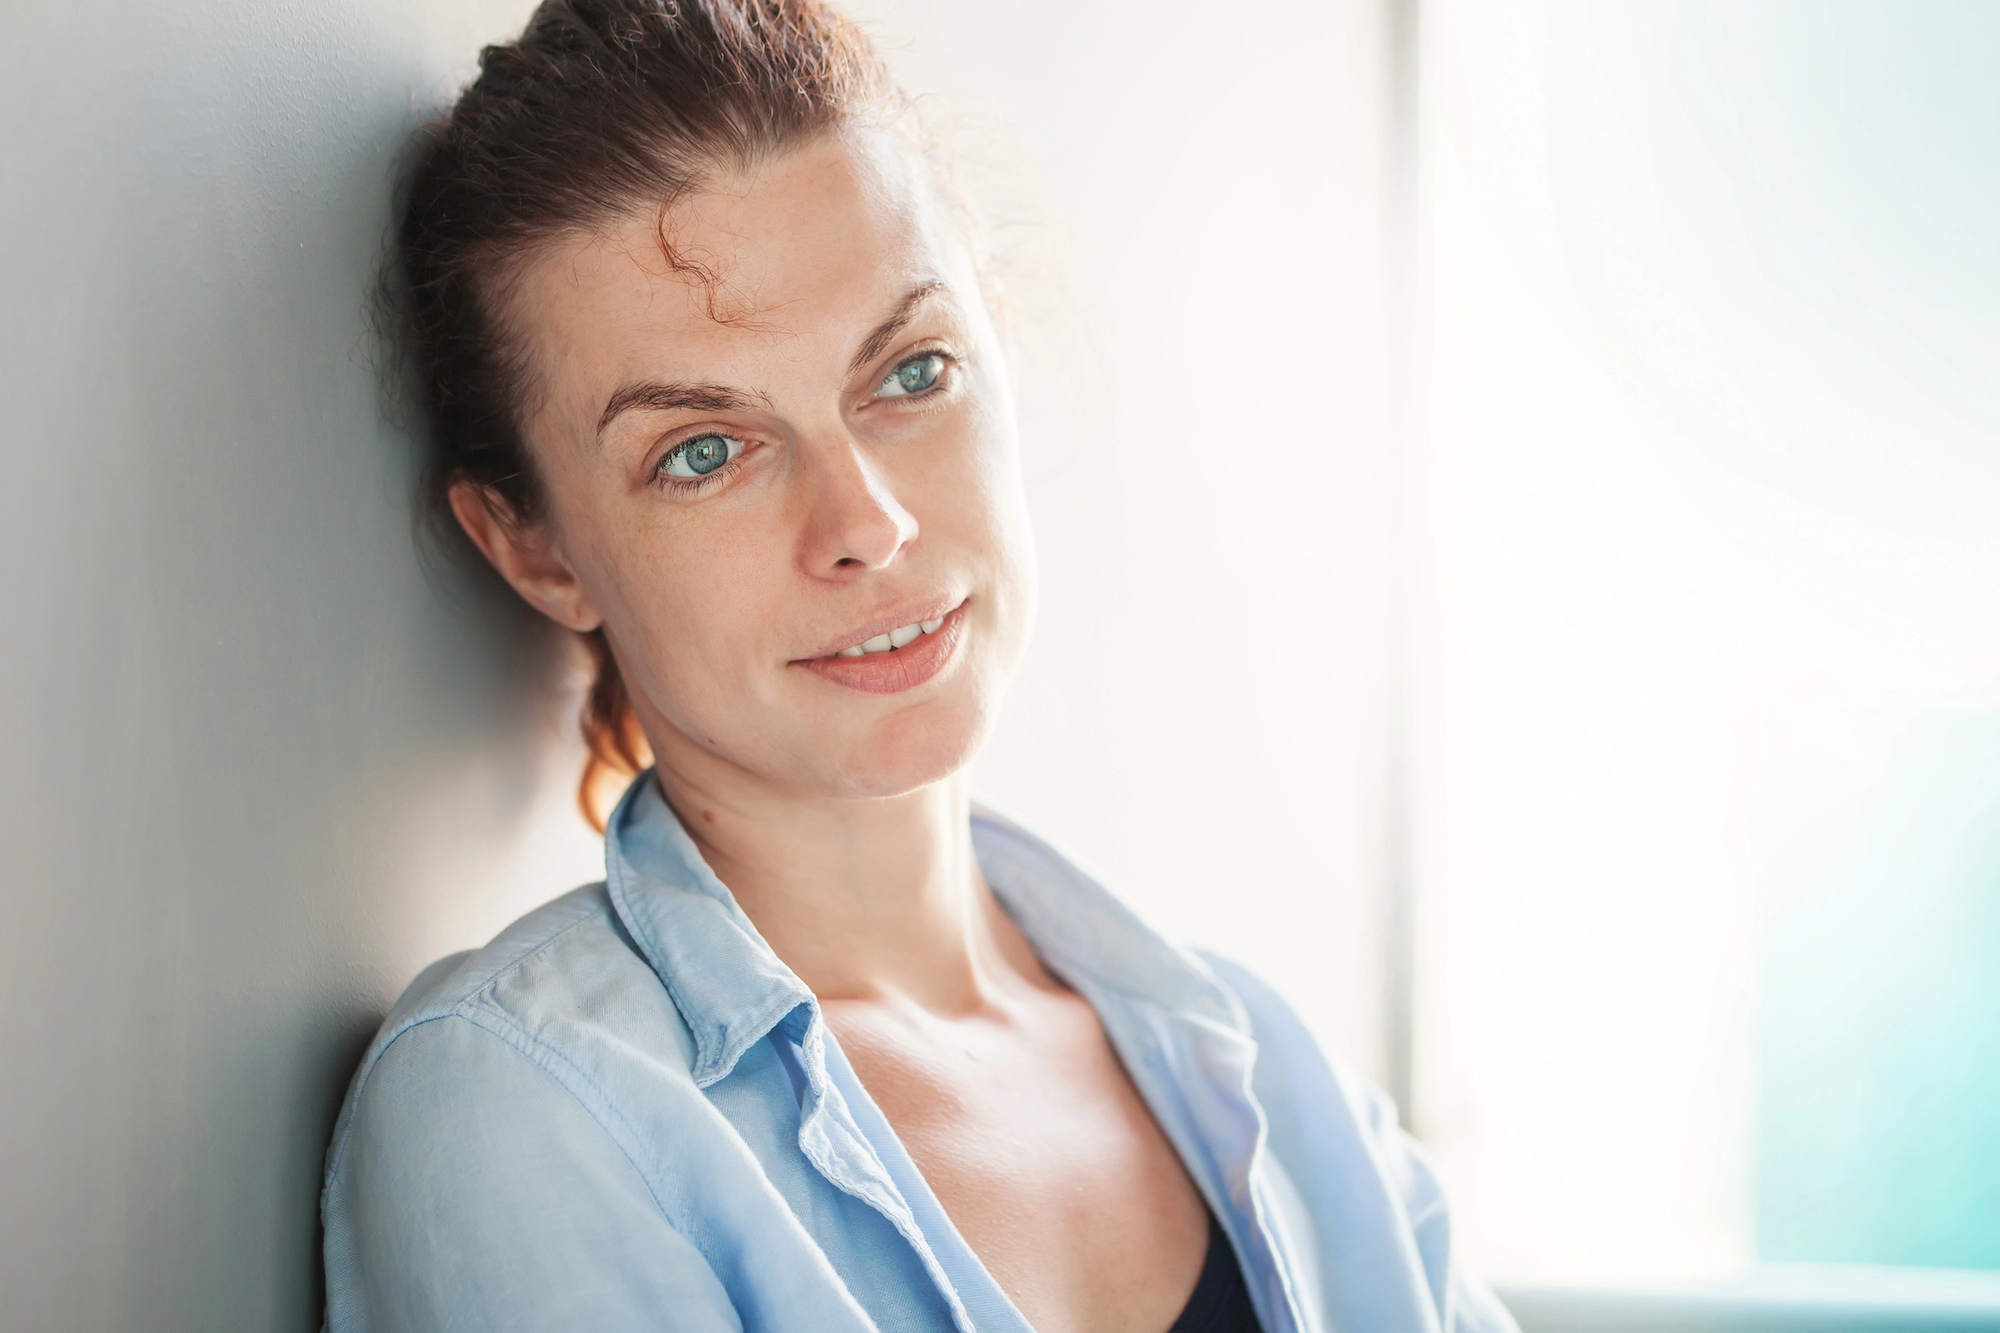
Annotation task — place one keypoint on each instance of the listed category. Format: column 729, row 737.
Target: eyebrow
column 906, row 310
column 669, row 396
column 672, row 396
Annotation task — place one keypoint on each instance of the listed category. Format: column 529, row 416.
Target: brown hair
column 600, row 107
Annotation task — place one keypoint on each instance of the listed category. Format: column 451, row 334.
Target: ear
column 526, row 555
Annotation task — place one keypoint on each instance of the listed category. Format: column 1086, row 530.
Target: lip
column 915, row 613
column 900, row 669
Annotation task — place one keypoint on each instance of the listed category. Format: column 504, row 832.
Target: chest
column 1037, row 1104
column 1044, row 1155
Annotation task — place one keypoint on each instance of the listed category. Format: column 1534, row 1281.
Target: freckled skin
column 839, row 817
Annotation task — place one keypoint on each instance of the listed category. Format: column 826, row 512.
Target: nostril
column 846, row 560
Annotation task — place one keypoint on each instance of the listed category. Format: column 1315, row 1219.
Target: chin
column 908, row 751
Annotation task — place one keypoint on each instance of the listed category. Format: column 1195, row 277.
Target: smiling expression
column 781, row 472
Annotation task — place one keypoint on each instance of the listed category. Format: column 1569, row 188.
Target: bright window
column 1710, row 708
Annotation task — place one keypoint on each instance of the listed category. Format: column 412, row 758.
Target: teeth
column 894, row 639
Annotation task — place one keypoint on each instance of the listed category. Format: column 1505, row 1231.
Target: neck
column 876, row 899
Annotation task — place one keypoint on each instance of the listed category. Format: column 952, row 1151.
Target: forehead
column 786, row 259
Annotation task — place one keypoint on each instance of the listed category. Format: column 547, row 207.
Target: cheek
column 978, row 490
column 977, row 510
column 693, row 600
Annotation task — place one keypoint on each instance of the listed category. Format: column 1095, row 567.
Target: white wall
column 254, row 768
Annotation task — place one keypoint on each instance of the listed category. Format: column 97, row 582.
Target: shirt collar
column 728, row 984
column 1087, row 934
column 731, row 989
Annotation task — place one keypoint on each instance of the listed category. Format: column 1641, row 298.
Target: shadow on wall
column 259, row 768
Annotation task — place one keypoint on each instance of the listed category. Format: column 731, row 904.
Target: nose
column 855, row 522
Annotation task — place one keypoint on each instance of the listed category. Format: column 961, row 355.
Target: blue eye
column 913, row 376
column 699, row 456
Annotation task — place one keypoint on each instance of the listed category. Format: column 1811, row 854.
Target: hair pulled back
column 600, row 107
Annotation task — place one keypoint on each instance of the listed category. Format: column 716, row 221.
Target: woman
column 714, row 383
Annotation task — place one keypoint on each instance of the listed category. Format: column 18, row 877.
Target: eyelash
column 691, row 486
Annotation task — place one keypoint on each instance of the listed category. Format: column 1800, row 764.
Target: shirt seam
column 506, row 965
column 338, row 1152
column 521, row 1049
column 507, row 1031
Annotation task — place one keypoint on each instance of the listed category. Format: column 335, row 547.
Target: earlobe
column 525, row 554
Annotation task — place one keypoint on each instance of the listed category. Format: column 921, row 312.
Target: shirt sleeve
column 472, row 1191
column 1365, row 1176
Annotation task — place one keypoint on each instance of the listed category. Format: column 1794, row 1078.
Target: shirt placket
column 834, row 1145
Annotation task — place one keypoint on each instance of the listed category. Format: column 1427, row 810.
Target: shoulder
column 494, row 1167
column 563, row 990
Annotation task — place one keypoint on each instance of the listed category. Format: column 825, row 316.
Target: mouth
column 889, row 661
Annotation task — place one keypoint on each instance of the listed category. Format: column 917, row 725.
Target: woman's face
column 781, row 473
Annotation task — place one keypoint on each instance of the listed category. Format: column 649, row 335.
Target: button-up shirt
column 626, row 1113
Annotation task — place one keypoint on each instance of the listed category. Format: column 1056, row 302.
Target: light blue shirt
column 625, row 1113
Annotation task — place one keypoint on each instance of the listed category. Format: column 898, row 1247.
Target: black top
column 1221, row 1303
